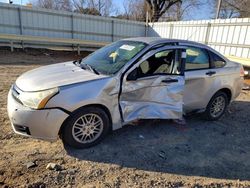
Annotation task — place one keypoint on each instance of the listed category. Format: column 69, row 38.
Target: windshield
column 110, row 59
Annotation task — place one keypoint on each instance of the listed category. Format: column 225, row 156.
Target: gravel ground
column 151, row 154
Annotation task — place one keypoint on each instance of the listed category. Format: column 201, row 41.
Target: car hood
column 55, row 75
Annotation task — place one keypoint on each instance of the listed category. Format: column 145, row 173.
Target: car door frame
column 148, row 54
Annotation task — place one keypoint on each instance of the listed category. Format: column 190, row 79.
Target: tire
column 214, row 112
column 85, row 128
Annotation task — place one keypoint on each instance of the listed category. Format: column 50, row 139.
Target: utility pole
column 147, row 18
column 146, row 28
column 218, row 9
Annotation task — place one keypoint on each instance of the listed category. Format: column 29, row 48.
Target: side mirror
column 133, row 75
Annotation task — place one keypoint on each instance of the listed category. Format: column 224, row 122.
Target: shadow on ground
column 218, row 149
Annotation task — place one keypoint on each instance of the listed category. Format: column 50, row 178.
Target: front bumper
column 43, row 124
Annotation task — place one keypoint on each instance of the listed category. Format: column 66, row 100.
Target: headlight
column 39, row 99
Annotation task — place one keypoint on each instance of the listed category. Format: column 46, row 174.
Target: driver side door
column 153, row 87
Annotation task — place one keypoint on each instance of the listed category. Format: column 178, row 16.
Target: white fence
column 228, row 36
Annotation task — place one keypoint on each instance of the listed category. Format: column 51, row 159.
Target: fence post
column 20, row 20
column 78, row 50
column 72, row 26
column 207, row 33
column 11, row 46
column 112, row 30
column 146, row 30
column 171, row 31
column 20, row 25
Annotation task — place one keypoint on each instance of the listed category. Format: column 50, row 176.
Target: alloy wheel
column 217, row 106
column 87, row 128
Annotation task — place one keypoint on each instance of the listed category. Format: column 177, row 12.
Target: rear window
column 217, row 61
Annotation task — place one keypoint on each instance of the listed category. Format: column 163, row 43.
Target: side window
column 197, row 58
column 217, row 61
column 161, row 62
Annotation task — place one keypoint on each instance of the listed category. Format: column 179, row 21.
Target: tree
column 90, row 11
column 180, row 10
column 160, row 7
column 226, row 10
column 135, row 10
column 105, row 7
column 65, row 5
column 78, row 6
column 241, row 6
column 54, row 4
column 175, row 11
column 95, row 7
column 233, row 8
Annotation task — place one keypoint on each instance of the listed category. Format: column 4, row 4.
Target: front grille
column 22, row 129
column 15, row 93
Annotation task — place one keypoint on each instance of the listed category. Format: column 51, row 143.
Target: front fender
column 103, row 92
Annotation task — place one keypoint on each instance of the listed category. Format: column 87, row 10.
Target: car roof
column 159, row 40
column 155, row 40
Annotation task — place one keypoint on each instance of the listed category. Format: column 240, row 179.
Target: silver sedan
column 131, row 79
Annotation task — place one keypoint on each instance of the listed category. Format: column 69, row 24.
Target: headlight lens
column 39, row 99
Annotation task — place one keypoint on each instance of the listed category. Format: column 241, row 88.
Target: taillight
column 242, row 72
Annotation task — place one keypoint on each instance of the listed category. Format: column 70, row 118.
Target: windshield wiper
column 93, row 69
column 87, row 66
column 77, row 62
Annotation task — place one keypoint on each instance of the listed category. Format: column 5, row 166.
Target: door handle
column 169, row 81
column 210, row 73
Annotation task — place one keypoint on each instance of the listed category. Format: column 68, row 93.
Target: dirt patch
column 151, row 154
column 36, row 56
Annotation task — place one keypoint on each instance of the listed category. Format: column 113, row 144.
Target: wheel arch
column 227, row 91
column 101, row 106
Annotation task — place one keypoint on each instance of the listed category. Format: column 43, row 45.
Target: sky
column 15, row 1
column 204, row 12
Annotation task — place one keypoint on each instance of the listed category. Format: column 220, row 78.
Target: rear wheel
column 216, row 106
column 85, row 128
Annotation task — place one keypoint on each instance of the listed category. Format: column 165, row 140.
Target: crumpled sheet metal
column 150, row 98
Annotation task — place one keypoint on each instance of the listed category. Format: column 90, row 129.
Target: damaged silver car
column 131, row 79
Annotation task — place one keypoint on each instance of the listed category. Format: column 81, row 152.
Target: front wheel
column 85, row 128
column 216, row 106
